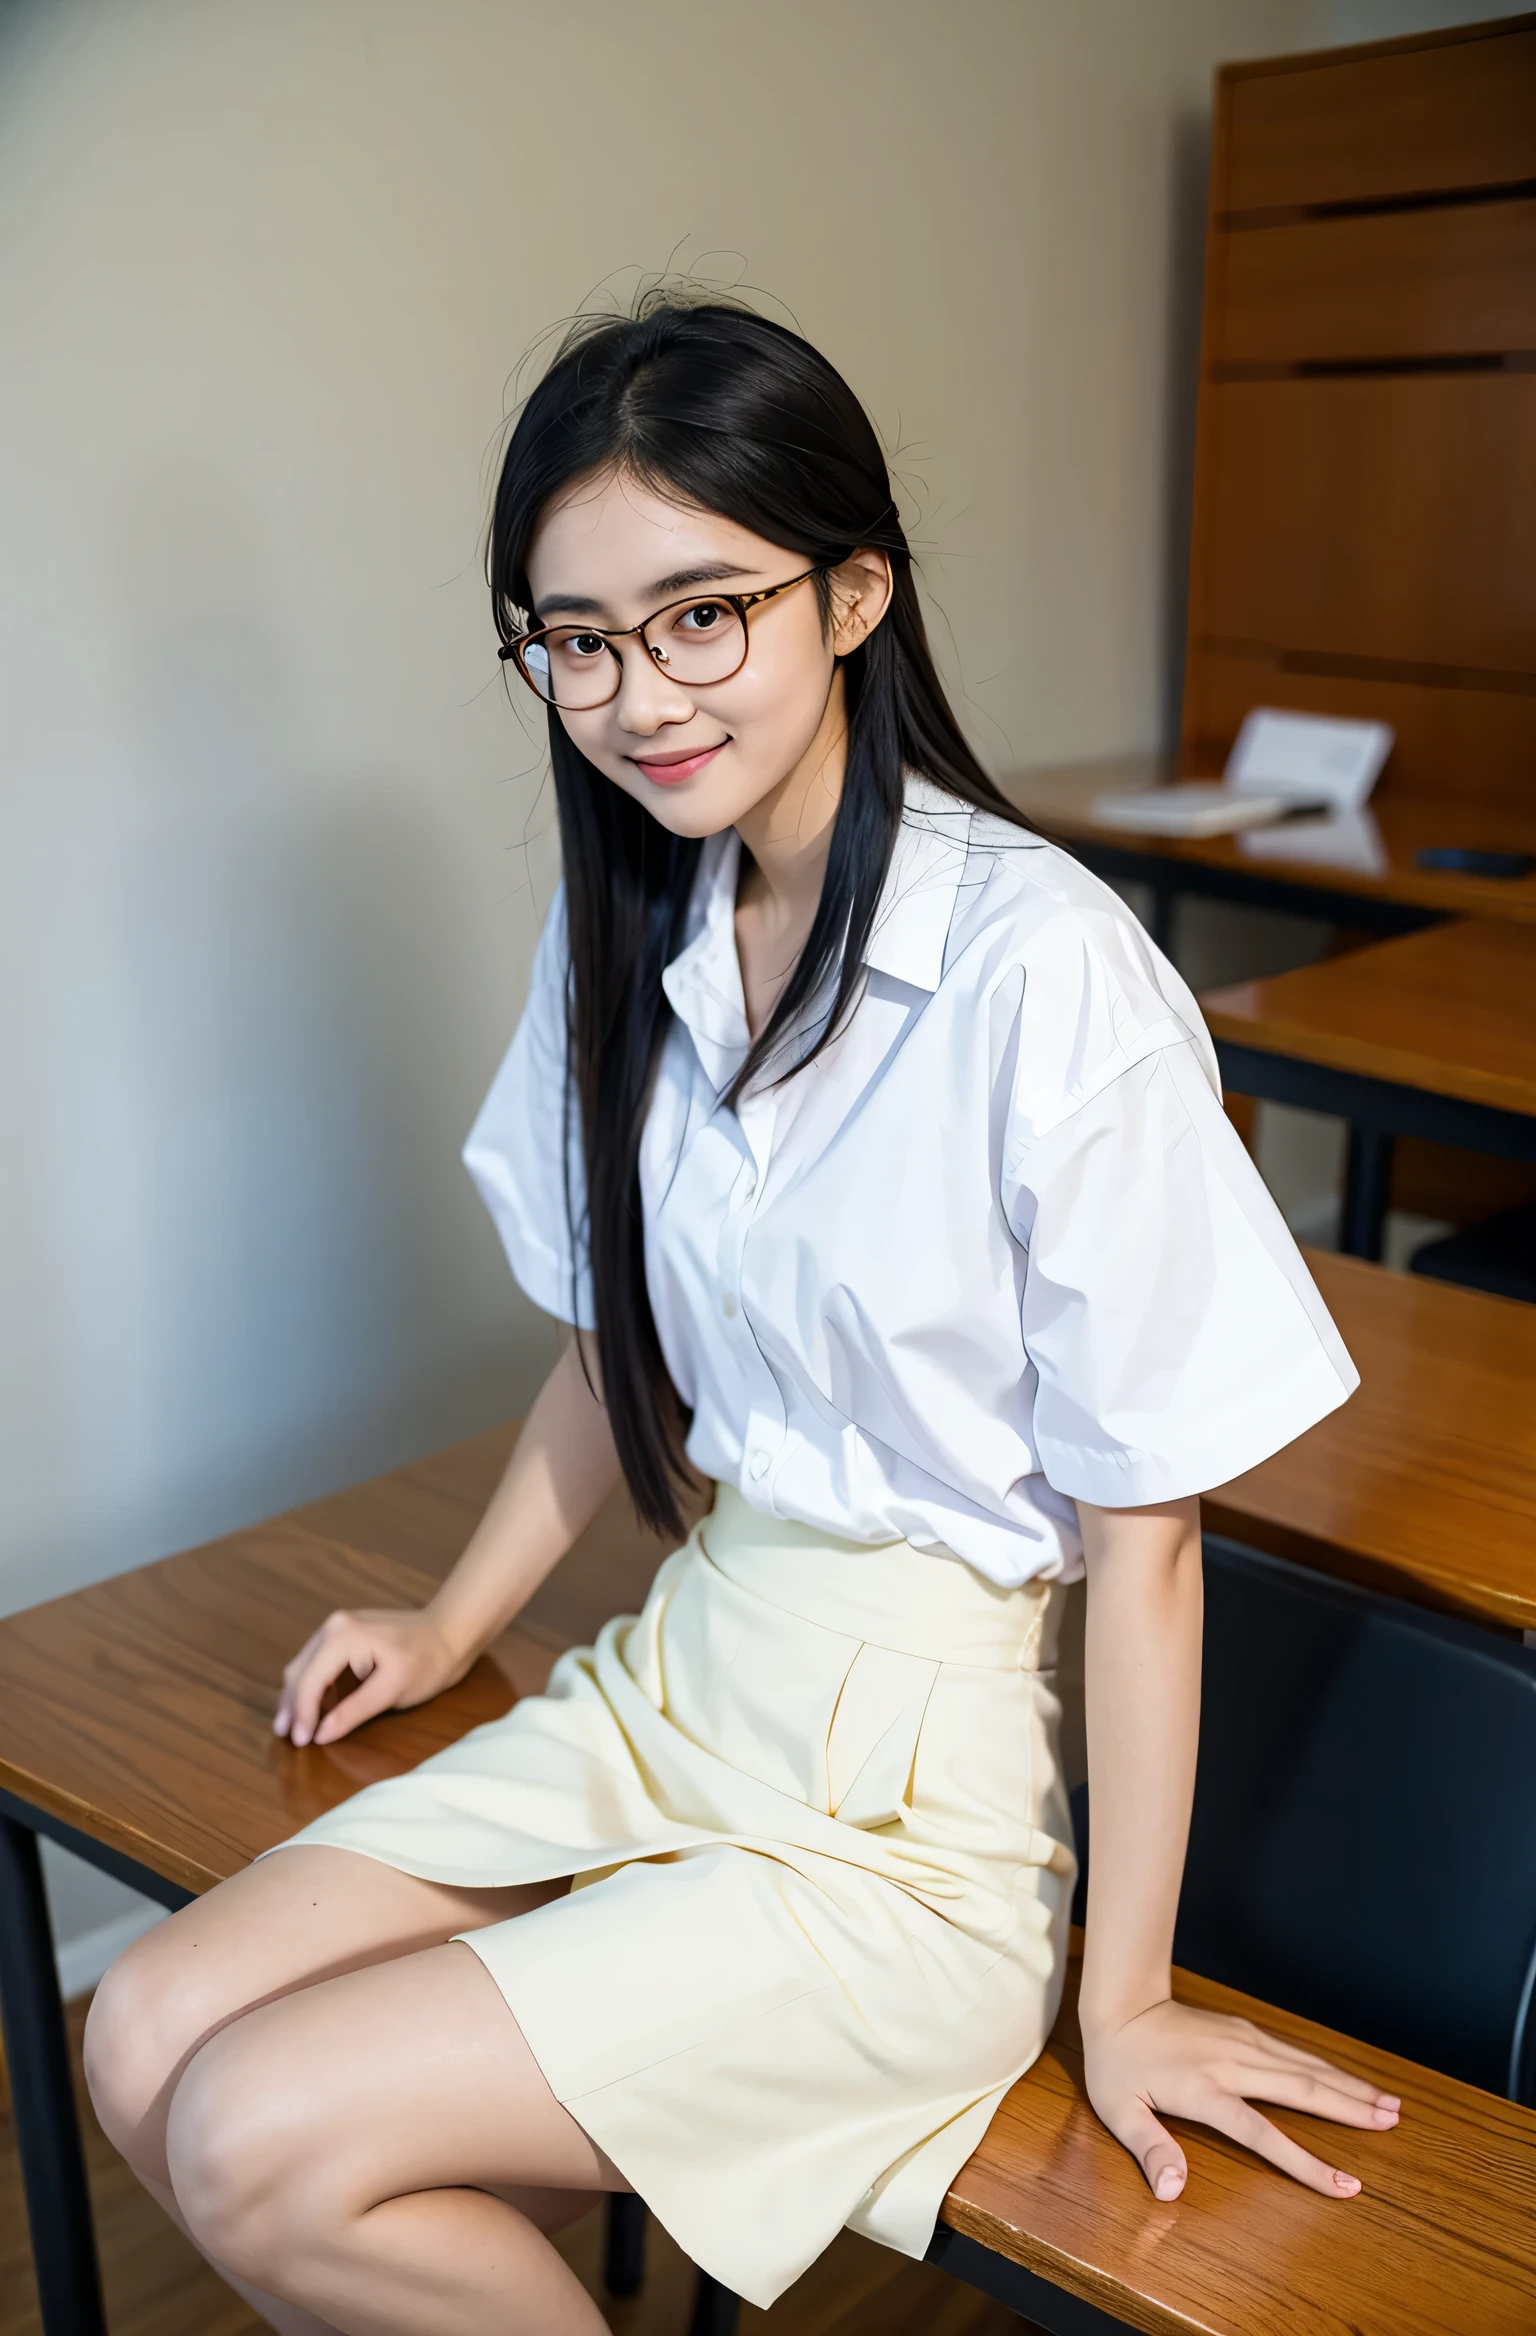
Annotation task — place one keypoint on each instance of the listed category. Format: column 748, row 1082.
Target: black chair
column 1363, row 1846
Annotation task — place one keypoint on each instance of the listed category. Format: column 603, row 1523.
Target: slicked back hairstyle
column 725, row 410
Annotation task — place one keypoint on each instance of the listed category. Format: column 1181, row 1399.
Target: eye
column 582, row 645
column 705, row 616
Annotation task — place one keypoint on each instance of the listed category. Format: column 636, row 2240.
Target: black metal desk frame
column 1378, row 1111
column 1169, row 879
column 37, row 2055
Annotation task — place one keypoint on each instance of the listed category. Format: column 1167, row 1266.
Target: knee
column 141, row 2024
column 236, row 2157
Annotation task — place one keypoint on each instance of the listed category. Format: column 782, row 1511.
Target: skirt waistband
column 916, row 1602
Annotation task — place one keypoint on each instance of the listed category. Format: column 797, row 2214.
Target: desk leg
column 1163, row 919
column 47, row 2133
column 1367, row 1187
column 624, row 2243
column 716, row 2312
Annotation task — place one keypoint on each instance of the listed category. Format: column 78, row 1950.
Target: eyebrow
column 681, row 580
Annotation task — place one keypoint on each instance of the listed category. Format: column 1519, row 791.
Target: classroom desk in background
column 135, row 1727
column 1059, row 801
column 1431, row 1035
column 1423, row 1484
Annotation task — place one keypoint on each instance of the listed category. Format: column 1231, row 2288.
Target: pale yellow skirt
column 813, row 1807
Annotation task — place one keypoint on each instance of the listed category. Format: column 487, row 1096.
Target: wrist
column 1108, row 2003
column 455, row 1632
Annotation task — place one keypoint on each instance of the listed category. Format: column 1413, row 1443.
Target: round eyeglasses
column 694, row 642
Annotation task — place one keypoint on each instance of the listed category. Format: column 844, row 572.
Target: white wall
column 265, row 910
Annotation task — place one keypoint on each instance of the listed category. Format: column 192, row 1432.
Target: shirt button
column 728, row 1306
column 757, row 1466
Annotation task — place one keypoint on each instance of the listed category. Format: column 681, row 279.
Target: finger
column 1255, row 2132
column 364, row 1703
column 1267, row 2052
column 291, row 1672
column 1319, row 2095
column 1153, row 2146
column 325, row 1666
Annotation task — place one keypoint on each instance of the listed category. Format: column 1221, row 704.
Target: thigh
column 406, row 2076
column 310, row 1913
column 303, row 1915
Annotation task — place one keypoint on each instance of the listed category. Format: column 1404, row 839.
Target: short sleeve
column 1176, row 1334
column 524, row 1149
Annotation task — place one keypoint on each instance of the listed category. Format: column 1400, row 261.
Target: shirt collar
column 703, row 981
column 907, row 939
column 912, row 920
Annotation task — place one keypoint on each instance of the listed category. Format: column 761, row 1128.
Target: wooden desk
column 135, row 1728
column 1430, row 1035
column 1440, row 2238
column 1059, row 801
column 1423, row 1485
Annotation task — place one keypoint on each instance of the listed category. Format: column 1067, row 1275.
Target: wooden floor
column 157, row 2286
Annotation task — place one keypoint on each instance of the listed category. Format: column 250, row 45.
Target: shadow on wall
column 251, row 1127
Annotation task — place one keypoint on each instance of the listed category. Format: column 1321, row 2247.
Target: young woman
column 877, row 1161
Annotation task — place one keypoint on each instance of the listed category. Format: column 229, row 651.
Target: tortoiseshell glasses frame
column 579, row 667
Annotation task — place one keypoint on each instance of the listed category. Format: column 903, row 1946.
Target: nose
column 648, row 699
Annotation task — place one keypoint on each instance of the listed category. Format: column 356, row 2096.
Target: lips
column 669, row 770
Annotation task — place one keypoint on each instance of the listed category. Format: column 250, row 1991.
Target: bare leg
column 287, row 2319
column 352, row 2148
column 284, row 1923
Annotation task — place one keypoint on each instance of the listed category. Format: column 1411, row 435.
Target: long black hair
column 722, row 409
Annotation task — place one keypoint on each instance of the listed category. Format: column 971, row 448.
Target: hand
column 400, row 1658
column 1206, row 2067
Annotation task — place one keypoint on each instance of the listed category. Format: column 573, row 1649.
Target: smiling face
column 700, row 757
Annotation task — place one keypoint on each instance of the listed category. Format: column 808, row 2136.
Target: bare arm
column 1143, row 2053
column 562, row 1470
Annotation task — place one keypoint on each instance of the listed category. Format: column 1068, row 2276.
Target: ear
column 861, row 594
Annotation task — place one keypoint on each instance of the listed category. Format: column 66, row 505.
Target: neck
column 788, row 831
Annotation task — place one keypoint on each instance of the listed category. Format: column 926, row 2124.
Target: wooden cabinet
column 1365, row 499
column 1432, row 116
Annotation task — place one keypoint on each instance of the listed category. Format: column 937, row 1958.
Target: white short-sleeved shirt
column 998, row 1249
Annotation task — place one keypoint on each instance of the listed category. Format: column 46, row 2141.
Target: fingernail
column 301, row 1736
column 1168, row 2184
column 1346, row 2183
column 1385, row 2116
column 1389, row 2101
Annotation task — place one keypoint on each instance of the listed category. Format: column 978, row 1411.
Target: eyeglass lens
column 699, row 641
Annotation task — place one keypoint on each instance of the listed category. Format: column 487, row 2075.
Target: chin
column 694, row 807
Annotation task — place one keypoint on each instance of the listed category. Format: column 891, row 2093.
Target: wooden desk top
column 115, row 1701
column 112, row 1700
column 1059, row 800
column 1424, row 1483
column 1440, row 2241
column 1451, row 1010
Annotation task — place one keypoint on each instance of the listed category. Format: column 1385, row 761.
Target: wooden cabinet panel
column 1463, row 743
column 1386, row 516
column 1451, row 282
column 1422, row 119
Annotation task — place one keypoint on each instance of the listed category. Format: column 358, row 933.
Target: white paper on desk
column 1345, row 839
column 1303, row 754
